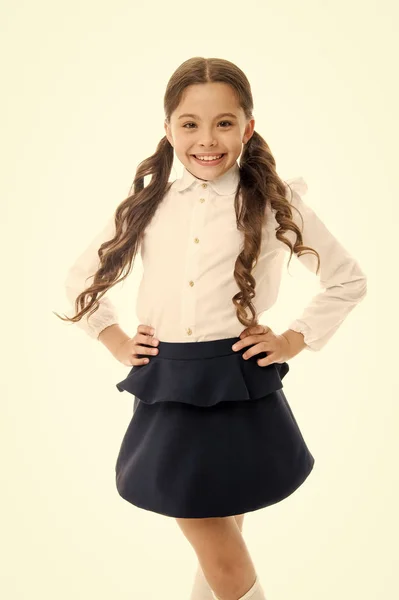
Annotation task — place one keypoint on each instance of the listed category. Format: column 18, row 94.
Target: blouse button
column 191, row 283
column 202, row 200
column 204, row 185
column 189, row 331
column 196, row 240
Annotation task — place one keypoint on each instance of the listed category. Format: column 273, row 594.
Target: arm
column 343, row 281
column 295, row 341
column 112, row 337
column 77, row 280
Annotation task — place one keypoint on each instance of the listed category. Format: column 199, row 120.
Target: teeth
column 209, row 157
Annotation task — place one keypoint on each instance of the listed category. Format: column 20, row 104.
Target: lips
column 206, row 156
column 207, row 162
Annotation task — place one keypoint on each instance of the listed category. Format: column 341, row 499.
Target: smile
column 209, row 160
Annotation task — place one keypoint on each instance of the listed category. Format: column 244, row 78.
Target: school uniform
column 213, row 434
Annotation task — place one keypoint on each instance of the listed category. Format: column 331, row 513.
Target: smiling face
column 200, row 126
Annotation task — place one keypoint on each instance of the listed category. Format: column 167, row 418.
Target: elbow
column 357, row 285
column 364, row 290
column 359, row 291
column 362, row 287
column 351, row 291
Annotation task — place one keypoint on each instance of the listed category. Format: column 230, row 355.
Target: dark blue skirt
column 212, row 434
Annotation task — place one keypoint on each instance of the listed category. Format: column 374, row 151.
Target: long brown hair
column 259, row 184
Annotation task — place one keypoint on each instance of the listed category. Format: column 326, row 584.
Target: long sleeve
column 343, row 281
column 76, row 281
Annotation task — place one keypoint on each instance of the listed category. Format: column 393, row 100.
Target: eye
column 194, row 124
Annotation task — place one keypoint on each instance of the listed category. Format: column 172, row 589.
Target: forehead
column 209, row 100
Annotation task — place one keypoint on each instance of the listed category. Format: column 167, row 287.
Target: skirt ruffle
column 203, row 379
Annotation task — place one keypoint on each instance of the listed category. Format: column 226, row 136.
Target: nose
column 207, row 144
column 208, row 139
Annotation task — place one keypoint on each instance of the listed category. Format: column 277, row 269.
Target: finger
column 263, row 329
column 146, row 340
column 257, row 329
column 268, row 360
column 145, row 349
column 139, row 361
column 250, row 339
column 146, row 329
column 254, row 349
column 248, row 331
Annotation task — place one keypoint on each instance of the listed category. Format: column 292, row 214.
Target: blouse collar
column 225, row 185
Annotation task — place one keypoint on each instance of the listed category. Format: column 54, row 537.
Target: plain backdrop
column 81, row 105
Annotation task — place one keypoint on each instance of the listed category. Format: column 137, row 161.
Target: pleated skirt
column 212, row 434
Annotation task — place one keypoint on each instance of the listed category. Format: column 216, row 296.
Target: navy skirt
column 212, row 434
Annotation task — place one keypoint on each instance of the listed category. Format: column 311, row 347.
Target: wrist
column 296, row 341
column 113, row 337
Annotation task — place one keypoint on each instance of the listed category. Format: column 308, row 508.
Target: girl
column 212, row 435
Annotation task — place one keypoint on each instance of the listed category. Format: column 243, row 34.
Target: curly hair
column 259, row 184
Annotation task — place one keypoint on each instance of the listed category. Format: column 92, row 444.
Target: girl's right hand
column 127, row 352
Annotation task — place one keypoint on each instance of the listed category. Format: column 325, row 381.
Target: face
column 208, row 131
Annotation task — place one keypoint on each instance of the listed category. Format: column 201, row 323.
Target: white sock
column 255, row 593
column 201, row 588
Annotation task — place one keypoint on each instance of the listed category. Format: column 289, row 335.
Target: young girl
column 212, row 435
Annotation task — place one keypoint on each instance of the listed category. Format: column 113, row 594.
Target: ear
column 249, row 130
column 168, row 134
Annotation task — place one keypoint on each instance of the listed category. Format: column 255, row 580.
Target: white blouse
column 188, row 253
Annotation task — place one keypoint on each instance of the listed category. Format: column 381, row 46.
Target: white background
column 81, row 106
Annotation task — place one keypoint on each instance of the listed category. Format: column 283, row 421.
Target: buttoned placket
column 193, row 257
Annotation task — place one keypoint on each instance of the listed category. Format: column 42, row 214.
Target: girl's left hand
column 277, row 346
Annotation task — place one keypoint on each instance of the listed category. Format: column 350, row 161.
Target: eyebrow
column 227, row 114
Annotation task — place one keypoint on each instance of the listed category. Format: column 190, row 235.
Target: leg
column 222, row 553
column 240, row 521
column 201, row 589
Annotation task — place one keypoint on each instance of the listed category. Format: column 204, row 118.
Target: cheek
column 181, row 141
column 181, row 148
column 184, row 148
